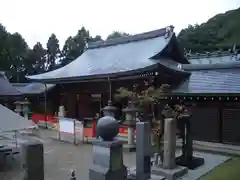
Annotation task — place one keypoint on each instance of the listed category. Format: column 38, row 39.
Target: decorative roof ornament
column 208, row 53
column 3, row 74
column 234, row 48
column 86, row 44
column 179, row 66
column 168, row 31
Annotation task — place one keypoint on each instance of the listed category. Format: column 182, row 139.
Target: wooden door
column 231, row 126
column 205, row 123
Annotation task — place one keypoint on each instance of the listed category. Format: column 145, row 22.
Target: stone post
column 130, row 121
column 32, row 158
column 143, row 151
column 169, row 143
column 169, row 169
column 108, row 152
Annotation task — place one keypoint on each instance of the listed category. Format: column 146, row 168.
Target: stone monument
column 168, row 168
column 143, row 151
column 107, row 152
column 187, row 159
column 32, row 160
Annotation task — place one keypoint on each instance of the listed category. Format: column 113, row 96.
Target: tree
column 95, row 39
column 36, row 60
column 5, row 61
column 219, row 33
column 40, row 57
column 17, row 51
column 75, row 46
column 146, row 99
column 117, row 34
column 53, row 52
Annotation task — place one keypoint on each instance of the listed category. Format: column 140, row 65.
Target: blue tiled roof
column 212, row 81
column 213, row 58
column 117, row 56
column 6, row 89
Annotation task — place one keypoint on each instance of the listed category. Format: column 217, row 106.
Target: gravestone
column 169, row 169
column 187, row 159
column 143, row 151
column 33, row 160
column 143, row 154
column 107, row 152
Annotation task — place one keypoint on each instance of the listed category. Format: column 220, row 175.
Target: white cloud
column 37, row 19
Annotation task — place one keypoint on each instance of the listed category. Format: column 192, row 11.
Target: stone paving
column 61, row 158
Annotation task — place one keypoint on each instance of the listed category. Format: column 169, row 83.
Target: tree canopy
column 221, row 32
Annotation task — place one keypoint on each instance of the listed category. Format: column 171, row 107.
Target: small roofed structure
column 6, row 89
column 33, row 88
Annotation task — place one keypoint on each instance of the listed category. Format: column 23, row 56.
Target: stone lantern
column 18, row 107
column 109, row 110
column 130, row 121
column 22, row 107
column 25, row 108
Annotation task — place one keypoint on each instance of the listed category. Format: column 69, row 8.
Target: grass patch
column 229, row 170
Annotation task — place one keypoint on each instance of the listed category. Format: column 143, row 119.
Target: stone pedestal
column 107, row 161
column 108, row 152
column 32, row 159
column 169, row 169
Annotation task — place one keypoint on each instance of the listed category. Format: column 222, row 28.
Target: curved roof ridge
column 226, row 65
column 211, row 54
column 131, row 38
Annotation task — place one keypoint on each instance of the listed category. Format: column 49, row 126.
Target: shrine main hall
column 209, row 82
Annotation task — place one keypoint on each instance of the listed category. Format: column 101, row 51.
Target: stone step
column 132, row 170
column 155, row 177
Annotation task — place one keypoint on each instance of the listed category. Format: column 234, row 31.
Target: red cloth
column 36, row 118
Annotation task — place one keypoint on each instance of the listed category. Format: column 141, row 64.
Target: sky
column 36, row 20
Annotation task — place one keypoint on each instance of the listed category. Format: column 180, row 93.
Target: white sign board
column 66, row 126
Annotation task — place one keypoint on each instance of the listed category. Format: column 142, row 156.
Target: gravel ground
column 60, row 158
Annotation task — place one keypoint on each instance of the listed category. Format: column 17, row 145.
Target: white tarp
column 11, row 121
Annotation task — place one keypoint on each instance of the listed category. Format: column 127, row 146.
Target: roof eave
column 105, row 77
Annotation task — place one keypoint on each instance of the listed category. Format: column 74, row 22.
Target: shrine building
column 209, row 82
